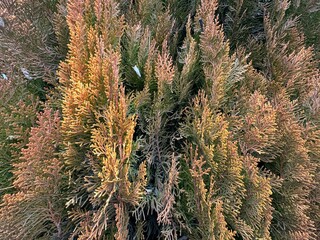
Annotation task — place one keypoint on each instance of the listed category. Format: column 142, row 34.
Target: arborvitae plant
column 18, row 110
column 36, row 210
column 293, row 83
column 29, row 46
column 291, row 72
column 174, row 126
column 97, row 130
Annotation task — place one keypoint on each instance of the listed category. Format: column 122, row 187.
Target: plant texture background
column 147, row 119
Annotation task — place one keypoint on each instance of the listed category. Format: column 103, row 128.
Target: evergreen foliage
column 159, row 120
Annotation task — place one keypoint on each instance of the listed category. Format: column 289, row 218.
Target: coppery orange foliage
column 96, row 123
column 38, row 181
column 215, row 52
column 174, row 126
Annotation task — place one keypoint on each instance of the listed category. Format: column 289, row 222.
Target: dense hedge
column 159, row 119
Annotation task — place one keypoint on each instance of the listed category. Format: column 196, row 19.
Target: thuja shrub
column 36, row 209
column 171, row 125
